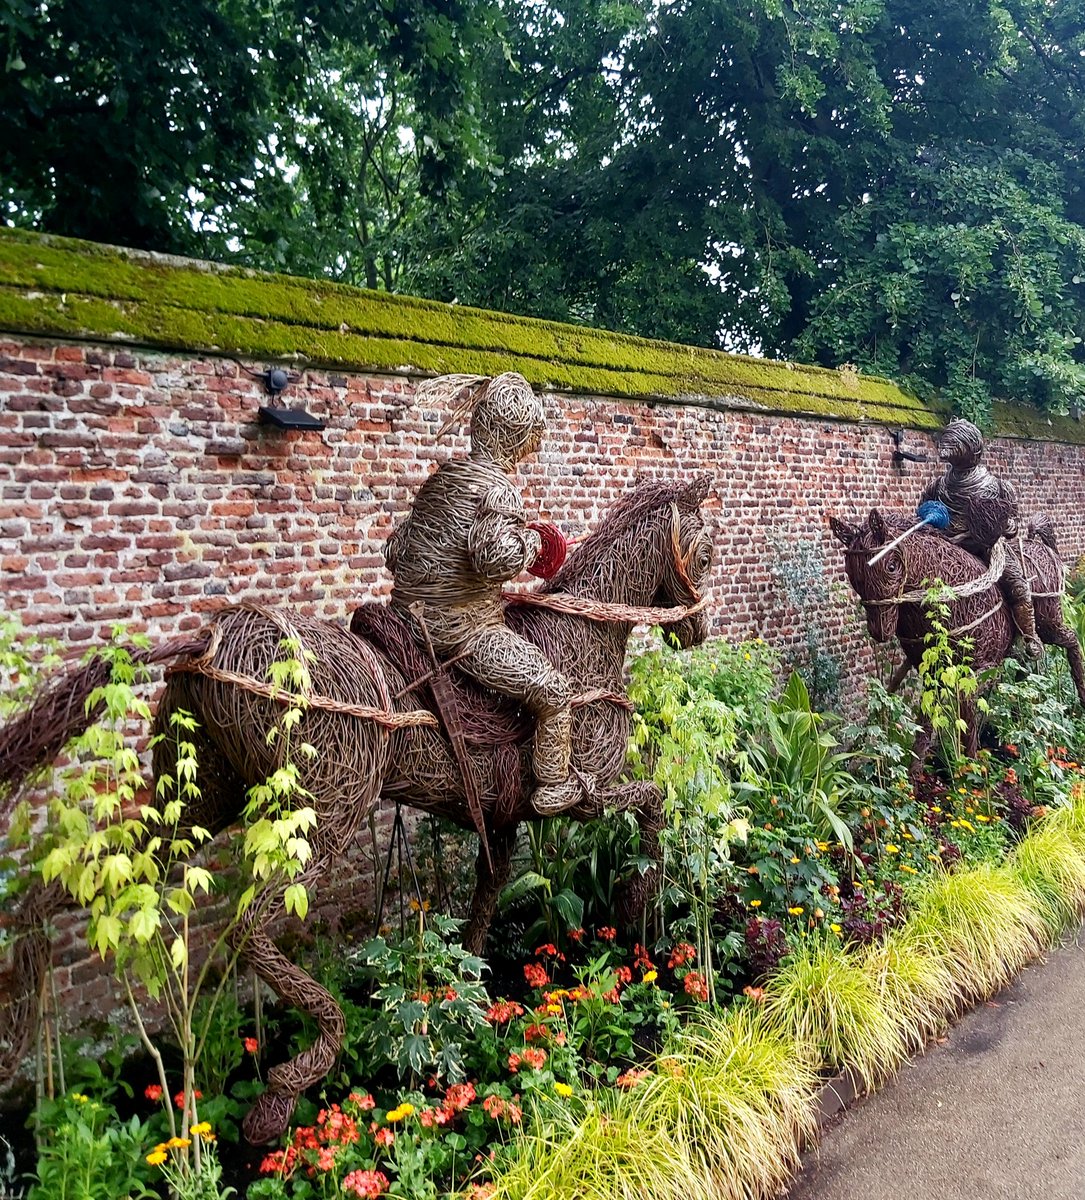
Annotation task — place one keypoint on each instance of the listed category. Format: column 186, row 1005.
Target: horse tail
column 61, row 710
column 1040, row 529
column 30, row 954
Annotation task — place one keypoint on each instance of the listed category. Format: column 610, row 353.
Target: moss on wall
column 57, row 287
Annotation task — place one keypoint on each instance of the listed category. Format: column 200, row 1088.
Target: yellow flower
column 156, row 1158
column 563, row 1090
column 795, row 860
column 755, row 903
column 823, row 846
column 553, row 1009
column 796, row 910
column 891, row 849
column 79, row 1098
column 650, row 977
column 935, row 808
column 178, row 1143
column 968, row 825
column 397, row 1114
column 834, row 927
column 906, row 867
column 203, row 1130
column 981, row 817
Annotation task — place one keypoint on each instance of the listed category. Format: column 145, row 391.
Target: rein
column 947, row 594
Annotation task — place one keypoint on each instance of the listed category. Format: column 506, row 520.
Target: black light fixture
column 288, row 418
column 277, row 380
column 900, row 455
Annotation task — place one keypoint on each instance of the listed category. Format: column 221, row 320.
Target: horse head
column 878, row 585
column 653, row 549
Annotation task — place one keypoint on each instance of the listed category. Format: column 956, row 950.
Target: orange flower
column 251, row 1045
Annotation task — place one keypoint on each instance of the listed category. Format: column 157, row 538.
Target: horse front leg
column 646, row 800
column 270, row 1115
column 489, row 882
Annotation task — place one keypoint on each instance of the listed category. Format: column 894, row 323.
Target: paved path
column 997, row 1112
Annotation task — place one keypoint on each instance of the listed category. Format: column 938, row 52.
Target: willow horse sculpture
column 892, row 590
column 375, row 737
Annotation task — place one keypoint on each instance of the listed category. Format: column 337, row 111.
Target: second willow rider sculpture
column 982, row 509
column 467, row 534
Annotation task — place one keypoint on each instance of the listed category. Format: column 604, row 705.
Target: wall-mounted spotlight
column 276, row 380
column 900, row 455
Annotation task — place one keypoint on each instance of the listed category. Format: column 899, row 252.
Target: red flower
column 364, row 1102
column 514, row 1062
column 607, row 934
column 502, row 1011
column 535, row 1058
column 682, row 953
column 153, row 1091
column 630, row 1078
column 179, row 1099
column 695, row 985
column 460, row 1095
column 536, row 975
column 384, row 1137
column 625, row 974
column 576, row 935
column 641, row 959
column 365, row 1184
column 251, row 1045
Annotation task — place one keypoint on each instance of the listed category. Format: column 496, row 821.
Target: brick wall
column 136, row 487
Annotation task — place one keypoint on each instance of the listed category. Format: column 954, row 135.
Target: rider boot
column 557, row 790
column 1025, row 618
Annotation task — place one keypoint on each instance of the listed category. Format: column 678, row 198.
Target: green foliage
column 426, row 1004
column 947, row 681
column 792, row 765
column 86, row 1152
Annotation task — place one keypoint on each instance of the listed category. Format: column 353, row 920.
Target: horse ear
column 845, row 533
column 877, row 525
column 697, row 492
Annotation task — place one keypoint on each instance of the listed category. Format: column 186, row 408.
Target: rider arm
column 1008, row 495
column 499, row 541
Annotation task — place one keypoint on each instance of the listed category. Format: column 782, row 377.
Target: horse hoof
column 268, row 1118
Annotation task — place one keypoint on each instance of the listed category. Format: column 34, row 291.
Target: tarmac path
column 995, row 1112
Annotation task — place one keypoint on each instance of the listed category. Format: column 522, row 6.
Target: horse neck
column 629, row 573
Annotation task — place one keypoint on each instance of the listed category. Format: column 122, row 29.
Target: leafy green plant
column 85, row 1152
column 946, row 680
column 428, row 1002
column 793, row 762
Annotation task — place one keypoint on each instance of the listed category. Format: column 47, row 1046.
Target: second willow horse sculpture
column 893, row 589
column 647, row 562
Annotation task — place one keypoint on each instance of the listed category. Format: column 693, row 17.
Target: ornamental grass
column 1050, row 865
column 737, row 1093
column 916, row 987
column 822, row 998
column 983, row 923
column 599, row 1153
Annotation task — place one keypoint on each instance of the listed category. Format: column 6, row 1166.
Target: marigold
column 157, row 1157
column 563, row 1090
column 650, row 977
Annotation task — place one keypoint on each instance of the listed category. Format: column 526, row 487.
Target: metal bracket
column 900, row 455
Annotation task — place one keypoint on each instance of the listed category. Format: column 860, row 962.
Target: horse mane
column 649, row 496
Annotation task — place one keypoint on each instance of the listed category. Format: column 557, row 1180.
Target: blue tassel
column 935, row 513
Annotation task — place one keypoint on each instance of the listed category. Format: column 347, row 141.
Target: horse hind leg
column 491, row 878
column 1057, row 633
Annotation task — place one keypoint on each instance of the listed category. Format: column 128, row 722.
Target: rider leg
column 1019, row 594
column 504, row 661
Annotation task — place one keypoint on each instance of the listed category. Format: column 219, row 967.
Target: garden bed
column 817, row 913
